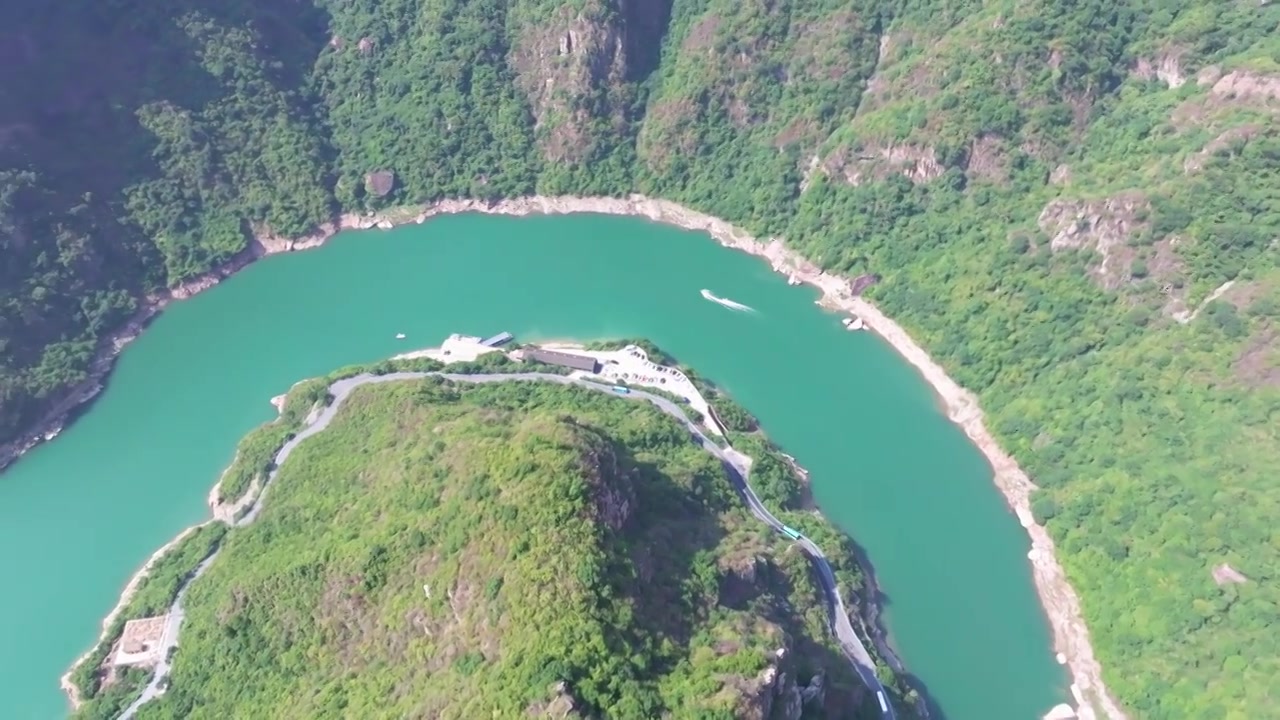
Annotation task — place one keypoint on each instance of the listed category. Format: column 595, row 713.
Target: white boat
column 399, row 336
column 726, row 302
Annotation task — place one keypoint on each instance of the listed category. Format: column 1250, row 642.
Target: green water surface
column 80, row 514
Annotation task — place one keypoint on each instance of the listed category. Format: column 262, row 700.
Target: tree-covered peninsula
column 1074, row 205
column 445, row 549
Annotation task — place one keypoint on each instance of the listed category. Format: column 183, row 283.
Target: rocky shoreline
column 1060, row 601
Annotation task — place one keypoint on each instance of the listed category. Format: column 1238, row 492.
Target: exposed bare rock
column 757, row 694
column 1215, row 110
column 559, row 65
column 1185, row 315
column 988, row 159
column 1243, row 293
column 561, row 706
column 815, row 693
column 1243, row 84
column 1208, row 75
column 1224, row 574
column 1259, row 366
column 859, row 284
column 876, row 84
column 811, row 169
column 614, row 495
column 738, row 579
column 1223, row 142
column 773, row 694
column 380, row 182
column 1061, row 175
column 918, row 164
column 792, row 704
column 747, row 567
column 1104, row 226
column 877, row 162
column 365, row 45
column 1055, row 58
column 1166, row 68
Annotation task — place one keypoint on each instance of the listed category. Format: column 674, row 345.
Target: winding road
column 738, row 465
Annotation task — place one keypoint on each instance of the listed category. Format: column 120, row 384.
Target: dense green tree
column 473, row 546
column 949, row 148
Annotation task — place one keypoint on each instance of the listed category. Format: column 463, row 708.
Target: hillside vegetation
column 1074, row 205
column 454, row 551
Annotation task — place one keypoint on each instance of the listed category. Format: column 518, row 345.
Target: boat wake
column 731, row 304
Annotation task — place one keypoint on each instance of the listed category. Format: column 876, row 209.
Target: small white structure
column 632, row 366
column 141, row 641
column 455, row 348
column 1061, row 712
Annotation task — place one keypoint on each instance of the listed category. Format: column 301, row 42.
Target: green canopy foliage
column 1046, row 189
column 457, row 551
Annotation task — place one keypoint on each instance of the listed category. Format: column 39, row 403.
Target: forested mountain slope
column 507, row 550
column 1049, row 192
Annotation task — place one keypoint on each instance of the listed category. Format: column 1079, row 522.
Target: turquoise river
column 80, row 514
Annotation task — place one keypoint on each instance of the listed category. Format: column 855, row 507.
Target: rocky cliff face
column 872, row 163
column 1103, row 226
column 578, row 64
column 775, row 694
column 759, row 66
column 562, row 62
column 613, row 491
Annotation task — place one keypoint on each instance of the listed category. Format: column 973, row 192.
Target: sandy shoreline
column 125, row 596
column 1061, row 604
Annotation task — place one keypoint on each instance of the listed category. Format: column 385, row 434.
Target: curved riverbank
column 1061, row 603
column 1056, row 595
column 126, row 595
